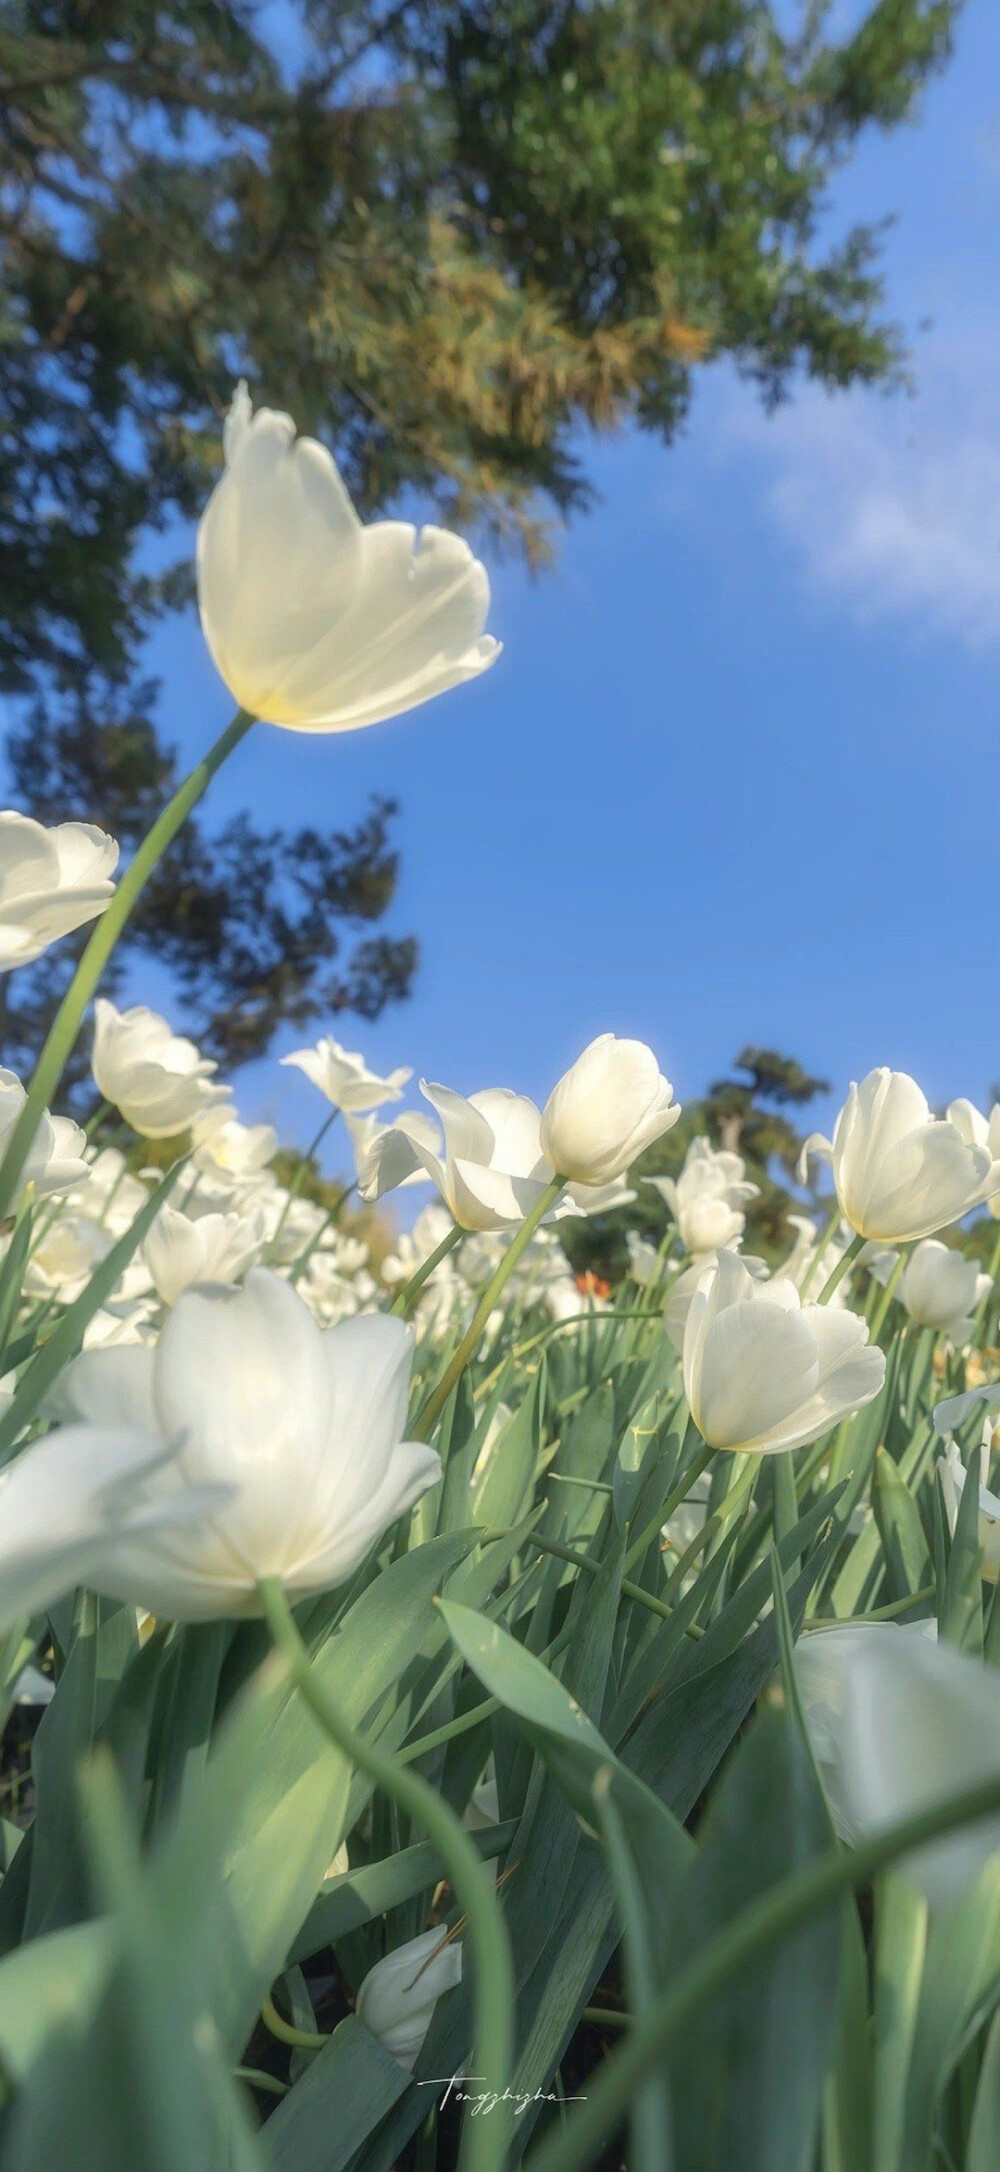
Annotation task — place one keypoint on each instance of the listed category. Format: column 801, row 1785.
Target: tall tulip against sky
column 314, row 621
column 900, row 1173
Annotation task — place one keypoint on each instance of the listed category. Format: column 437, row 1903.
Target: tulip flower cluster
column 441, row 1682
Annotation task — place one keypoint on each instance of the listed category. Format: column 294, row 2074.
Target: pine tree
column 443, row 235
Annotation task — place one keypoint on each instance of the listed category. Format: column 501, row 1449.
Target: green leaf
column 901, row 1919
column 357, row 1897
column 904, row 1545
column 66, row 1338
column 343, row 2095
column 984, row 2134
column 748, row 2077
column 498, row 1485
column 961, row 1618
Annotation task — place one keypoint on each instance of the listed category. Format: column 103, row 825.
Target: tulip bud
column 398, row 1996
column 613, row 1102
column 156, row 1078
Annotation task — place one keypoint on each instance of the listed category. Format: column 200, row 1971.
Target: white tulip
column 155, row 1077
column 763, row 1371
column 941, row 1290
column 345, row 1078
column 707, row 1198
column 644, row 1263
column 55, row 1160
column 302, row 1430
column 900, row 1723
column 698, row 1275
column 63, row 1260
column 953, row 1478
column 398, row 1996
column 607, row 1107
column 492, row 1171
column 69, row 1501
column 51, row 882
column 313, row 620
column 364, row 1130
column 982, row 1131
column 215, row 1248
column 899, row 1172
column 226, row 1149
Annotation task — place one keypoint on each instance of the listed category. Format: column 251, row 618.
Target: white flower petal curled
column 611, row 1103
column 345, row 1079
column 296, row 1435
column 396, row 2001
column 215, row 1248
column 155, row 1077
column 492, row 1171
column 764, row 1372
column 314, row 621
column 51, row 882
column 899, row 1172
column 900, row 1722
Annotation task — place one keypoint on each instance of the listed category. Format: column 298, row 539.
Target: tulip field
column 459, row 1712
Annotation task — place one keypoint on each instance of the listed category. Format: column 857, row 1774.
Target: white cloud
column 894, row 502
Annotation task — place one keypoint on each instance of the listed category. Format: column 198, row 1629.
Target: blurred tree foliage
column 445, row 236
column 753, row 1116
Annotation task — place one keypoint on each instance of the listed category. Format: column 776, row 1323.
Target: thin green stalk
column 889, row 1292
column 606, row 2017
column 427, row 1417
column 66, row 1024
column 993, row 1270
column 824, row 1240
column 293, row 1189
column 846, row 1261
column 593, row 1568
column 875, row 1613
column 255, row 2078
column 406, row 1298
column 573, row 1319
column 300, row 1264
column 283, row 2031
column 484, row 2140
column 768, row 1920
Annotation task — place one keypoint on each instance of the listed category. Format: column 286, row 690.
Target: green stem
column 889, row 1292
column 255, row 2078
column 299, row 2039
column 606, row 2017
column 427, row 1418
column 66, row 1024
column 299, row 1265
column 763, row 1924
column 293, row 1189
column 406, row 1298
column 875, row 1613
column 573, row 1319
column 820, row 1249
column 834, row 1280
column 593, row 1568
column 484, row 2141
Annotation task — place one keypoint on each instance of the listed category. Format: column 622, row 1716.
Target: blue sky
column 735, row 775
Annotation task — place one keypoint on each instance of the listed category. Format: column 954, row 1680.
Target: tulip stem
column 821, row 1246
column 300, row 2039
column 834, row 1280
column 66, row 1024
column 406, row 1298
column 484, row 2141
column 673, row 1501
column 293, row 1189
column 889, row 1292
column 431, row 1410
column 772, row 1917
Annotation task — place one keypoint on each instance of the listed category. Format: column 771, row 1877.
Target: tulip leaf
column 343, row 2095
column 497, row 1491
column 960, row 1621
column 66, row 1338
column 904, row 1546
column 50, row 1983
column 900, row 1954
column 356, row 1897
column 748, row 2076
column 984, row 2134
